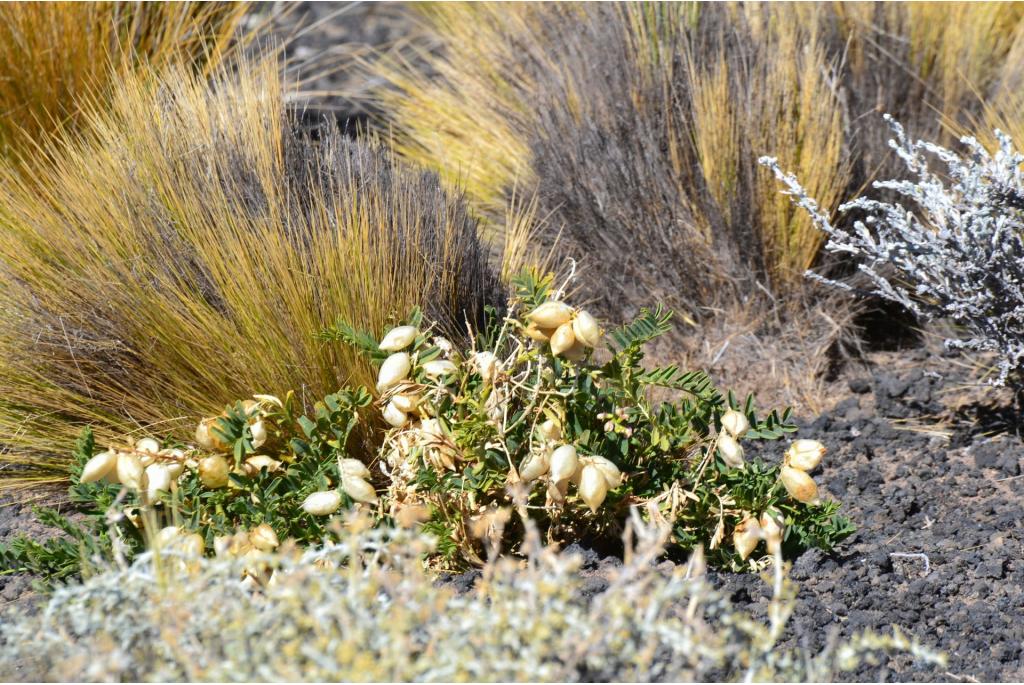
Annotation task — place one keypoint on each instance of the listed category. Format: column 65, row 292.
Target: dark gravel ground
column 939, row 551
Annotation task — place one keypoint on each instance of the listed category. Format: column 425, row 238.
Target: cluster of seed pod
column 355, row 482
column 734, row 426
column 401, row 396
column 801, row 457
column 250, row 545
column 750, row 531
column 594, row 476
column 570, row 332
column 144, row 467
column 214, row 469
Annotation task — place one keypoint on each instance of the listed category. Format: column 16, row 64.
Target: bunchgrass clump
column 58, row 58
column 365, row 609
column 186, row 249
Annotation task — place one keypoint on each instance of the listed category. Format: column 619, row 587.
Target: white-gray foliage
column 949, row 246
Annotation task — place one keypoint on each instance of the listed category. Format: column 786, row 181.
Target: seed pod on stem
column 322, row 503
column 158, row 479
column 746, row 536
column 772, row 528
column 563, row 463
column 395, row 416
column 534, row 466
column 393, row 371
column 213, row 471
column 593, row 487
column 799, row 485
column 130, row 471
column 263, row 538
column 398, row 338
column 731, row 451
column 359, row 490
column 99, row 466
column 353, row 467
column 550, row 314
column 436, row 368
column 735, row 423
column 586, row 329
column 805, row 454
column 563, row 339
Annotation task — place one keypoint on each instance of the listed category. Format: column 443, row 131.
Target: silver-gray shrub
column 366, row 609
column 948, row 246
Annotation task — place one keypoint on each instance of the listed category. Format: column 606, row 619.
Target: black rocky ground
column 939, row 550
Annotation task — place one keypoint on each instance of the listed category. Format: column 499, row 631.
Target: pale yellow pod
column 395, row 416
column 805, row 454
column 353, row 467
column 535, row 332
column 263, row 538
column 258, row 430
column 593, row 487
column 158, row 479
column 576, row 353
column 563, row 339
column 255, row 463
column 550, row 314
column 393, row 371
column 799, row 485
column 213, row 471
column 586, row 329
column 611, row 472
column 535, row 466
column 359, row 490
column 398, row 338
column 130, row 471
column 563, row 463
column 148, row 446
column 207, row 438
column 322, row 503
column 746, row 536
column 735, row 423
column 731, row 451
column 436, row 368
column 550, row 430
column 406, row 403
column 99, row 466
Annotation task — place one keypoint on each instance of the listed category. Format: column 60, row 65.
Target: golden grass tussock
column 639, row 126
column 185, row 249
column 56, row 55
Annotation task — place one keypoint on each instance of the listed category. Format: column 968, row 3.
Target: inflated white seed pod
column 130, row 471
column 805, row 454
column 746, row 536
column 608, row 469
column 406, row 403
column 731, row 451
column 322, row 503
column 393, row 371
column 395, row 416
column 263, row 538
column 799, row 485
column 436, row 368
column 175, row 469
column 550, row 430
column 148, row 446
column 593, row 487
column 576, row 353
column 563, row 463
column 563, row 339
column 487, row 365
column 586, row 329
column 258, row 430
column 257, row 462
column 535, row 332
column 99, row 466
column 213, row 471
column 359, row 490
column 735, row 423
column 534, row 466
column 772, row 529
column 398, row 338
column 158, row 479
column 550, row 314
column 353, row 468
column 207, row 438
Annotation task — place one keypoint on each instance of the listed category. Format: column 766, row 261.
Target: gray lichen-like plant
column 367, row 610
column 948, row 246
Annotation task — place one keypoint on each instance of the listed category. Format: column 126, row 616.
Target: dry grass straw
column 54, row 56
column 638, row 128
column 185, row 250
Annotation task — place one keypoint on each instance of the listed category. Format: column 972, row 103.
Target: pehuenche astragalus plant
column 365, row 608
column 527, row 419
column 946, row 249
